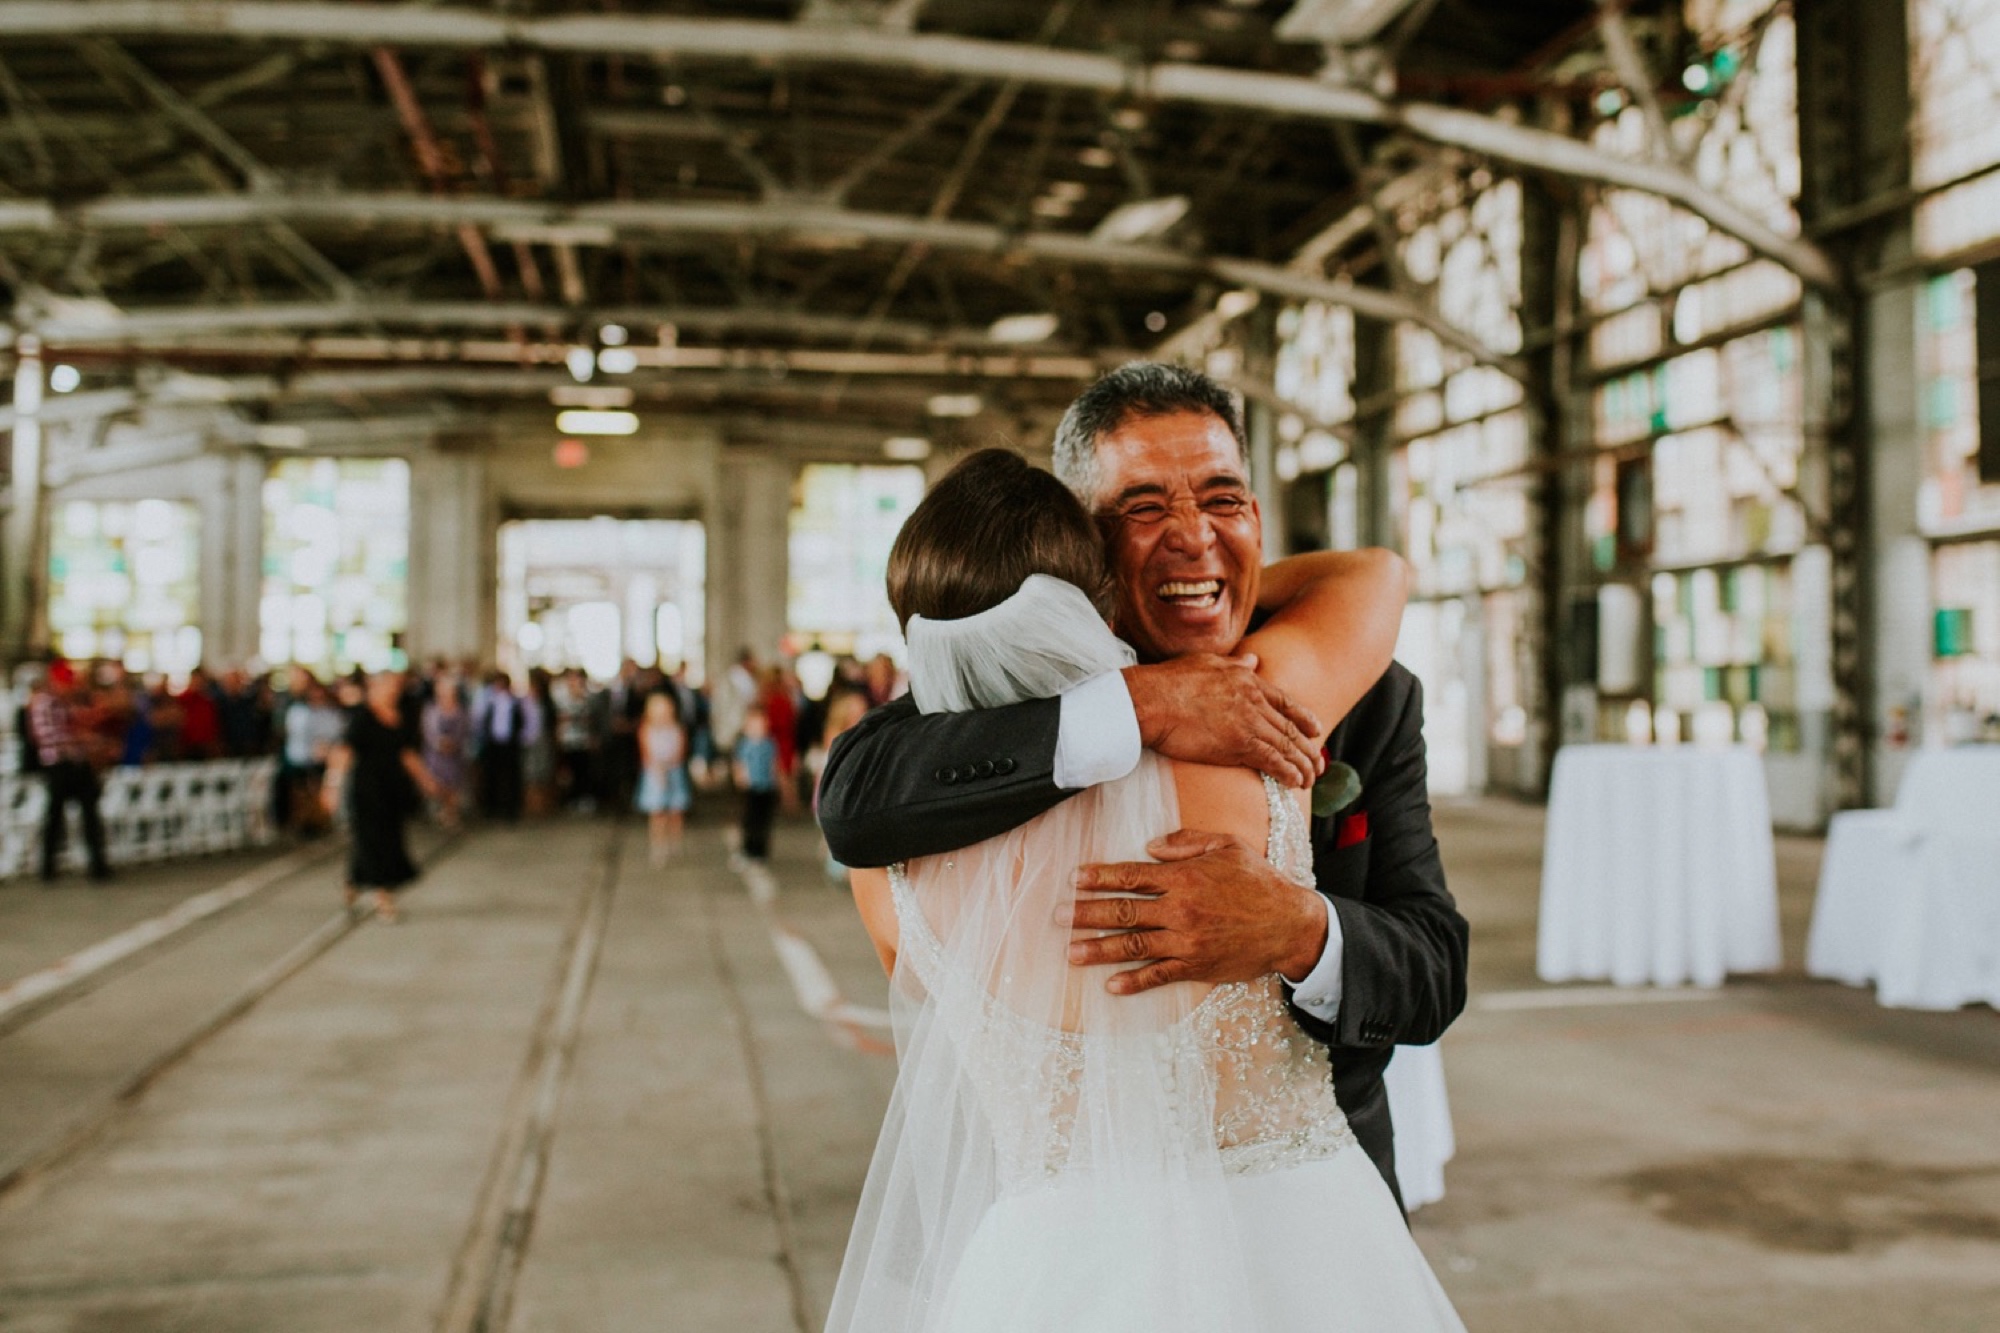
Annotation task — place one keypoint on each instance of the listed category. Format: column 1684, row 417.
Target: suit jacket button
column 947, row 776
column 983, row 769
column 1003, row 767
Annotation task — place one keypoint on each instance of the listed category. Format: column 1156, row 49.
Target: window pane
column 124, row 583
column 844, row 520
column 336, row 563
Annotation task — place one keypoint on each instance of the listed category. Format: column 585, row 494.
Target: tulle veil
column 1019, row 1073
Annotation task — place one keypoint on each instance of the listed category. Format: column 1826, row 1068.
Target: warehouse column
column 453, row 539
column 22, row 609
column 749, row 563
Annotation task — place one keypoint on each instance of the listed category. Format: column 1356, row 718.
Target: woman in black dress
column 381, row 756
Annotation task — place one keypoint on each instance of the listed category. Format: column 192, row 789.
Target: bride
column 1056, row 1157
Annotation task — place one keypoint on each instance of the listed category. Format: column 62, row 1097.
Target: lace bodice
column 1236, row 1074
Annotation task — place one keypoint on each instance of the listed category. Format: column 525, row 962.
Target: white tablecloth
column 1657, row 867
column 1909, row 898
column 1421, row 1113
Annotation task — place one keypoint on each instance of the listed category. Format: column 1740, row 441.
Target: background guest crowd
column 508, row 749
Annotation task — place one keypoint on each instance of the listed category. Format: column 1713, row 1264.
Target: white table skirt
column 1421, row 1112
column 1866, row 853
column 1909, row 898
column 1657, row 867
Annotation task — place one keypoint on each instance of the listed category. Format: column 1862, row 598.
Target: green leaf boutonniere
column 1337, row 788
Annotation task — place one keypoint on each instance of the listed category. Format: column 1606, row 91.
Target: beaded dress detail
column 1235, row 1075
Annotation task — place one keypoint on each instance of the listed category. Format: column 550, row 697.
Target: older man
column 57, row 727
column 1376, row 957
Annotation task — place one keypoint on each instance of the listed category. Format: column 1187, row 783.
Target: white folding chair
column 117, row 806
column 260, row 777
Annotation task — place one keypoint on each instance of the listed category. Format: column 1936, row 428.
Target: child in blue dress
column 664, row 793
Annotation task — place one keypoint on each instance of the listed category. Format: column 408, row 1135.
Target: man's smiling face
column 1184, row 532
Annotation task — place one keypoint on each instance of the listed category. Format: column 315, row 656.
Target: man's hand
column 1213, row 911
column 1204, row 709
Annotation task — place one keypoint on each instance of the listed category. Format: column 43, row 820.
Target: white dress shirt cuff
column 1319, row 993
column 1098, row 737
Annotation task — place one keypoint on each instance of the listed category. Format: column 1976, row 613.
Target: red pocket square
column 1353, row 829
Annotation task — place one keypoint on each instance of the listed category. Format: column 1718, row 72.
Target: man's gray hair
column 1137, row 389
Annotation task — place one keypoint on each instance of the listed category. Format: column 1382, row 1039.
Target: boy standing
column 757, row 774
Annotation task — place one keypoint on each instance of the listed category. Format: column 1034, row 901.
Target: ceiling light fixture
column 954, row 405
column 1097, row 157
column 280, row 435
column 64, row 379
column 1233, row 304
column 590, row 421
column 617, row 360
column 1027, row 328
column 579, row 395
column 582, row 363
column 612, row 335
column 907, row 448
column 1141, row 220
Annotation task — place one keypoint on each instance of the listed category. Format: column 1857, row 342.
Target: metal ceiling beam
column 685, row 393
column 169, row 323
column 818, row 44
column 801, row 223
column 939, row 369
column 431, row 161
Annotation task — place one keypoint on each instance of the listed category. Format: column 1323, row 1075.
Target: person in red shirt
column 782, row 711
column 58, row 718
column 201, row 718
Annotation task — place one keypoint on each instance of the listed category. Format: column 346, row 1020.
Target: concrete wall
column 666, row 471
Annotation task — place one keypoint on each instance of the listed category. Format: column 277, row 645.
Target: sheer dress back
column 1235, row 1070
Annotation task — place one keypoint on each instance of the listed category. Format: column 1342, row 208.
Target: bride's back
column 1059, row 1067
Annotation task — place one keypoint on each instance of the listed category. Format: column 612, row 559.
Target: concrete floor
column 1780, row 1154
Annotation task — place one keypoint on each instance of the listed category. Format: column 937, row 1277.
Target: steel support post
column 1854, row 102
column 23, row 572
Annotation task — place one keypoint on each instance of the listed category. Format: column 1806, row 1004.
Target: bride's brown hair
column 990, row 522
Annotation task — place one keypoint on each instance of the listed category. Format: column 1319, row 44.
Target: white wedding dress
column 1056, row 1158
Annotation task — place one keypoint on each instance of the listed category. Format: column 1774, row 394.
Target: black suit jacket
column 901, row 784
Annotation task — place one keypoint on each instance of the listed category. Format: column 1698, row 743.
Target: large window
column 1952, row 497
column 844, row 520
column 1967, row 641
column 591, row 592
column 336, row 563
column 1655, row 276
column 124, row 583
column 1458, row 481
column 1955, row 129
column 1728, row 654
column 1698, row 404
column 1314, row 377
